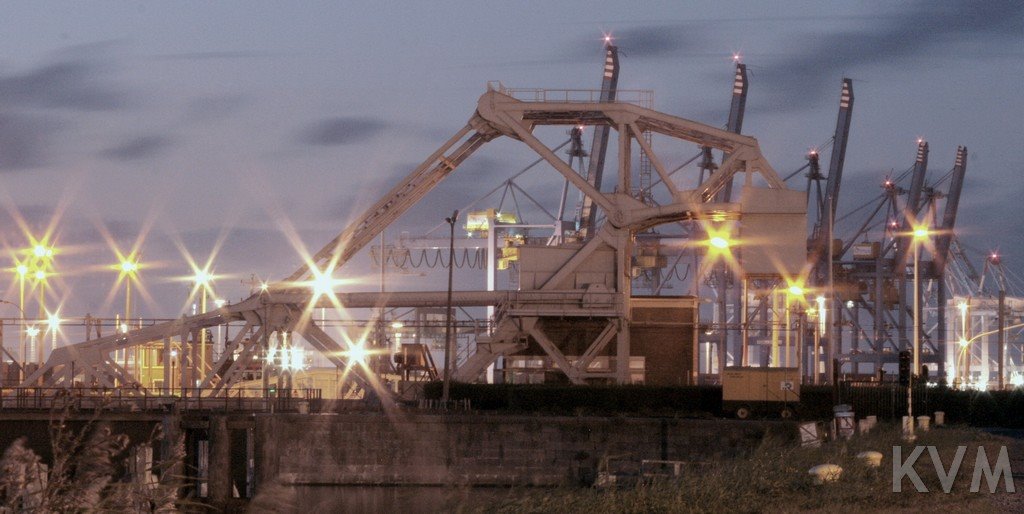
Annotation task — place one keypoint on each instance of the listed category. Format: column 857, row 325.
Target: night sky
column 247, row 129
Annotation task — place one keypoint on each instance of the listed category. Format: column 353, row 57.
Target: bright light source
column 964, row 343
column 124, row 328
column 962, row 306
column 32, row 331
column 40, row 275
column 920, row 233
column 202, row 277
column 850, row 304
column 174, row 353
column 796, row 290
column 397, row 325
column 220, row 302
column 22, row 269
column 357, row 353
column 53, row 320
column 42, row 251
column 129, row 266
column 718, row 242
column 264, row 286
column 736, row 57
column 1017, row 380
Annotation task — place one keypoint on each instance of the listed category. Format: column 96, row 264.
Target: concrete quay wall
column 467, row 449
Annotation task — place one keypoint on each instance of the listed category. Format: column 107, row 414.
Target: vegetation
column 775, row 479
column 86, row 473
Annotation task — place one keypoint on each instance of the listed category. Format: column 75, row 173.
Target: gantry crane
column 587, row 280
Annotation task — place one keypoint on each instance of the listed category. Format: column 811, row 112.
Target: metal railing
column 135, row 400
column 640, row 97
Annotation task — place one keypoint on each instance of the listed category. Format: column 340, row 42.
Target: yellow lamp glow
column 920, row 233
column 22, row 269
column 202, row 277
column 796, row 290
column 718, row 242
column 40, row 275
column 32, row 331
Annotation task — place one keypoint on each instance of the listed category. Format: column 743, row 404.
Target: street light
column 446, row 389
column 32, row 332
column 202, row 280
column 21, row 345
column 53, row 326
column 920, row 234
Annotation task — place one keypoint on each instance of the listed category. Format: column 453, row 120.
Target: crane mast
column 822, row 231
column 735, row 122
column 586, row 218
column 912, row 208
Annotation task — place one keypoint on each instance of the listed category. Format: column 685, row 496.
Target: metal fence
column 134, row 400
column 886, row 400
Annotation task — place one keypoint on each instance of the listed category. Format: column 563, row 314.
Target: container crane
column 586, row 217
column 943, row 244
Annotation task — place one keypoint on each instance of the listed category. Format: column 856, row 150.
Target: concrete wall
column 422, row 449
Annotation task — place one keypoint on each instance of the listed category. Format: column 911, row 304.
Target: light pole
column 920, row 234
column 21, row 348
column 202, row 282
column 446, row 389
column 22, row 271
column 128, row 268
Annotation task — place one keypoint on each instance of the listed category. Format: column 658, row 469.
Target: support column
column 220, row 461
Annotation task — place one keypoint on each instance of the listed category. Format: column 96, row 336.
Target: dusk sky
column 192, row 126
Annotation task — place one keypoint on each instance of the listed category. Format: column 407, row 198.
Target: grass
column 774, row 478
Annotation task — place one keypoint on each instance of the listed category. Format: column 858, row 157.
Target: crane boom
column 822, row 230
column 587, row 216
column 392, row 205
column 735, row 123
column 913, row 205
column 956, row 184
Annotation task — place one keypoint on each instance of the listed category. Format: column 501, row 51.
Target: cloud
column 71, row 83
column 213, row 108
column 138, row 148
column 23, row 140
column 340, row 131
column 819, row 60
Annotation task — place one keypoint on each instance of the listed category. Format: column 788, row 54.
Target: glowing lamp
column 22, row 269
column 719, row 242
column 796, row 290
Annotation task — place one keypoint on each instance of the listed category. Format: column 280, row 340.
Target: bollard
column 863, row 426
column 923, row 422
column 940, row 418
column 870, row 458
column 823, row 473
column 908, row 428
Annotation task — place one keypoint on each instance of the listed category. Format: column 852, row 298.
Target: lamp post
column 21, row 347
column 446, row 389
column 22, row 270
column 32, row 332
column 920, row 234
column 202, row 283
